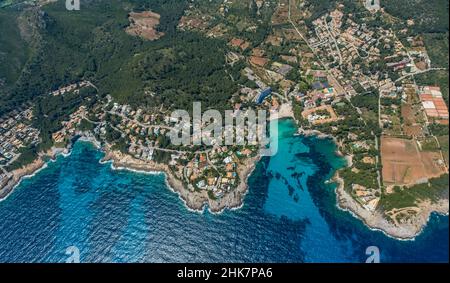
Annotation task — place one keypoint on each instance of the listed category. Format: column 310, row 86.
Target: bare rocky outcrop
column 377, row 219
column 195, row 200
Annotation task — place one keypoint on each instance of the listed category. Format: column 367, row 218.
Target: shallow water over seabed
column 289, row 215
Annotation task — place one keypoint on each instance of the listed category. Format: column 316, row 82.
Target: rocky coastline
column 377, row 220
column 13, row 178
column 199, row 200
column 194, row 200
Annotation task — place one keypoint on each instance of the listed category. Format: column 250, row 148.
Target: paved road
column 331, row 75
column 148, row 126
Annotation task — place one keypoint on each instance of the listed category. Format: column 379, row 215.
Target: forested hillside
column 91, row 44
column 13, row 49
column 428, row 15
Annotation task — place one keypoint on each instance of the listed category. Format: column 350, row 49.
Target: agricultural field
column 412, row 115
column 411, row 126
column 405, row 164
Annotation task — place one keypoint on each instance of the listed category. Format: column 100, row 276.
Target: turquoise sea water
column 289, row 215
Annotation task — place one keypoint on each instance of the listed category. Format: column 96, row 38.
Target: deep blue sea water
column 289, row 215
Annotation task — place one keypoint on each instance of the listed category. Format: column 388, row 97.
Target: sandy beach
column 285, row 111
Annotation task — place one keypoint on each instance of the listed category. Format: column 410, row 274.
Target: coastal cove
column 289, row 215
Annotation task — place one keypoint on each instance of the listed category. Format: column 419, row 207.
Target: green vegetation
column 351, row 124
column 368, row 101
column 444, row 142
column 323, row 112
column 6, row 3
column 85, row 125
column 50, row 111
column 388, row 101
column 121, row 144
column 161, row 156
column 111, row 134
column 169, row 10
column 192, row 69
column 437, row 78
column 407, row 197
column 241, row 19
column 438, row 129
column 429, row 15
column 320, row 7
column 28, row 154
column 429, row 144
column 180, row 68
column 437, row 48
column 13, row 49
column 297, row 108
column 211, row 195
column 366, row 177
